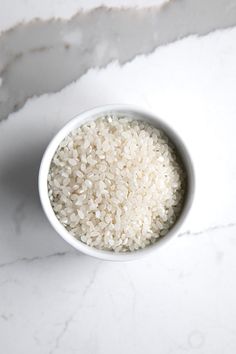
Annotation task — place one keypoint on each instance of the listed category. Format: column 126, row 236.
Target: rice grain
column 116, row 184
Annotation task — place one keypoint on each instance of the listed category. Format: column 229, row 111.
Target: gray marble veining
column 45, row 56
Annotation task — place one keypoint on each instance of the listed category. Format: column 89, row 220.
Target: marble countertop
column 177, row 59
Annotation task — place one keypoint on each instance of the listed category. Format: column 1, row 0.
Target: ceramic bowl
column 91, row 115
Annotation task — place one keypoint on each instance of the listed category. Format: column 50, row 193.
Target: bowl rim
column 92, row 114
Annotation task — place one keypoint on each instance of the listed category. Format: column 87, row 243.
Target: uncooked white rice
column 116, row 184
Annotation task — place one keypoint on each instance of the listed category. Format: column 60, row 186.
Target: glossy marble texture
column 176, row 59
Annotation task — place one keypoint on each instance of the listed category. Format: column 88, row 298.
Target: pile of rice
column 116, row 184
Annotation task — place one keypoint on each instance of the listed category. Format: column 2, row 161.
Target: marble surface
column 177, row 59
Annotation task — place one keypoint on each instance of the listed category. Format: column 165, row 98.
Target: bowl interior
column 93, row 114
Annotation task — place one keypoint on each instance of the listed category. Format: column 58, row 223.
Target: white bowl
column 91, row 115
